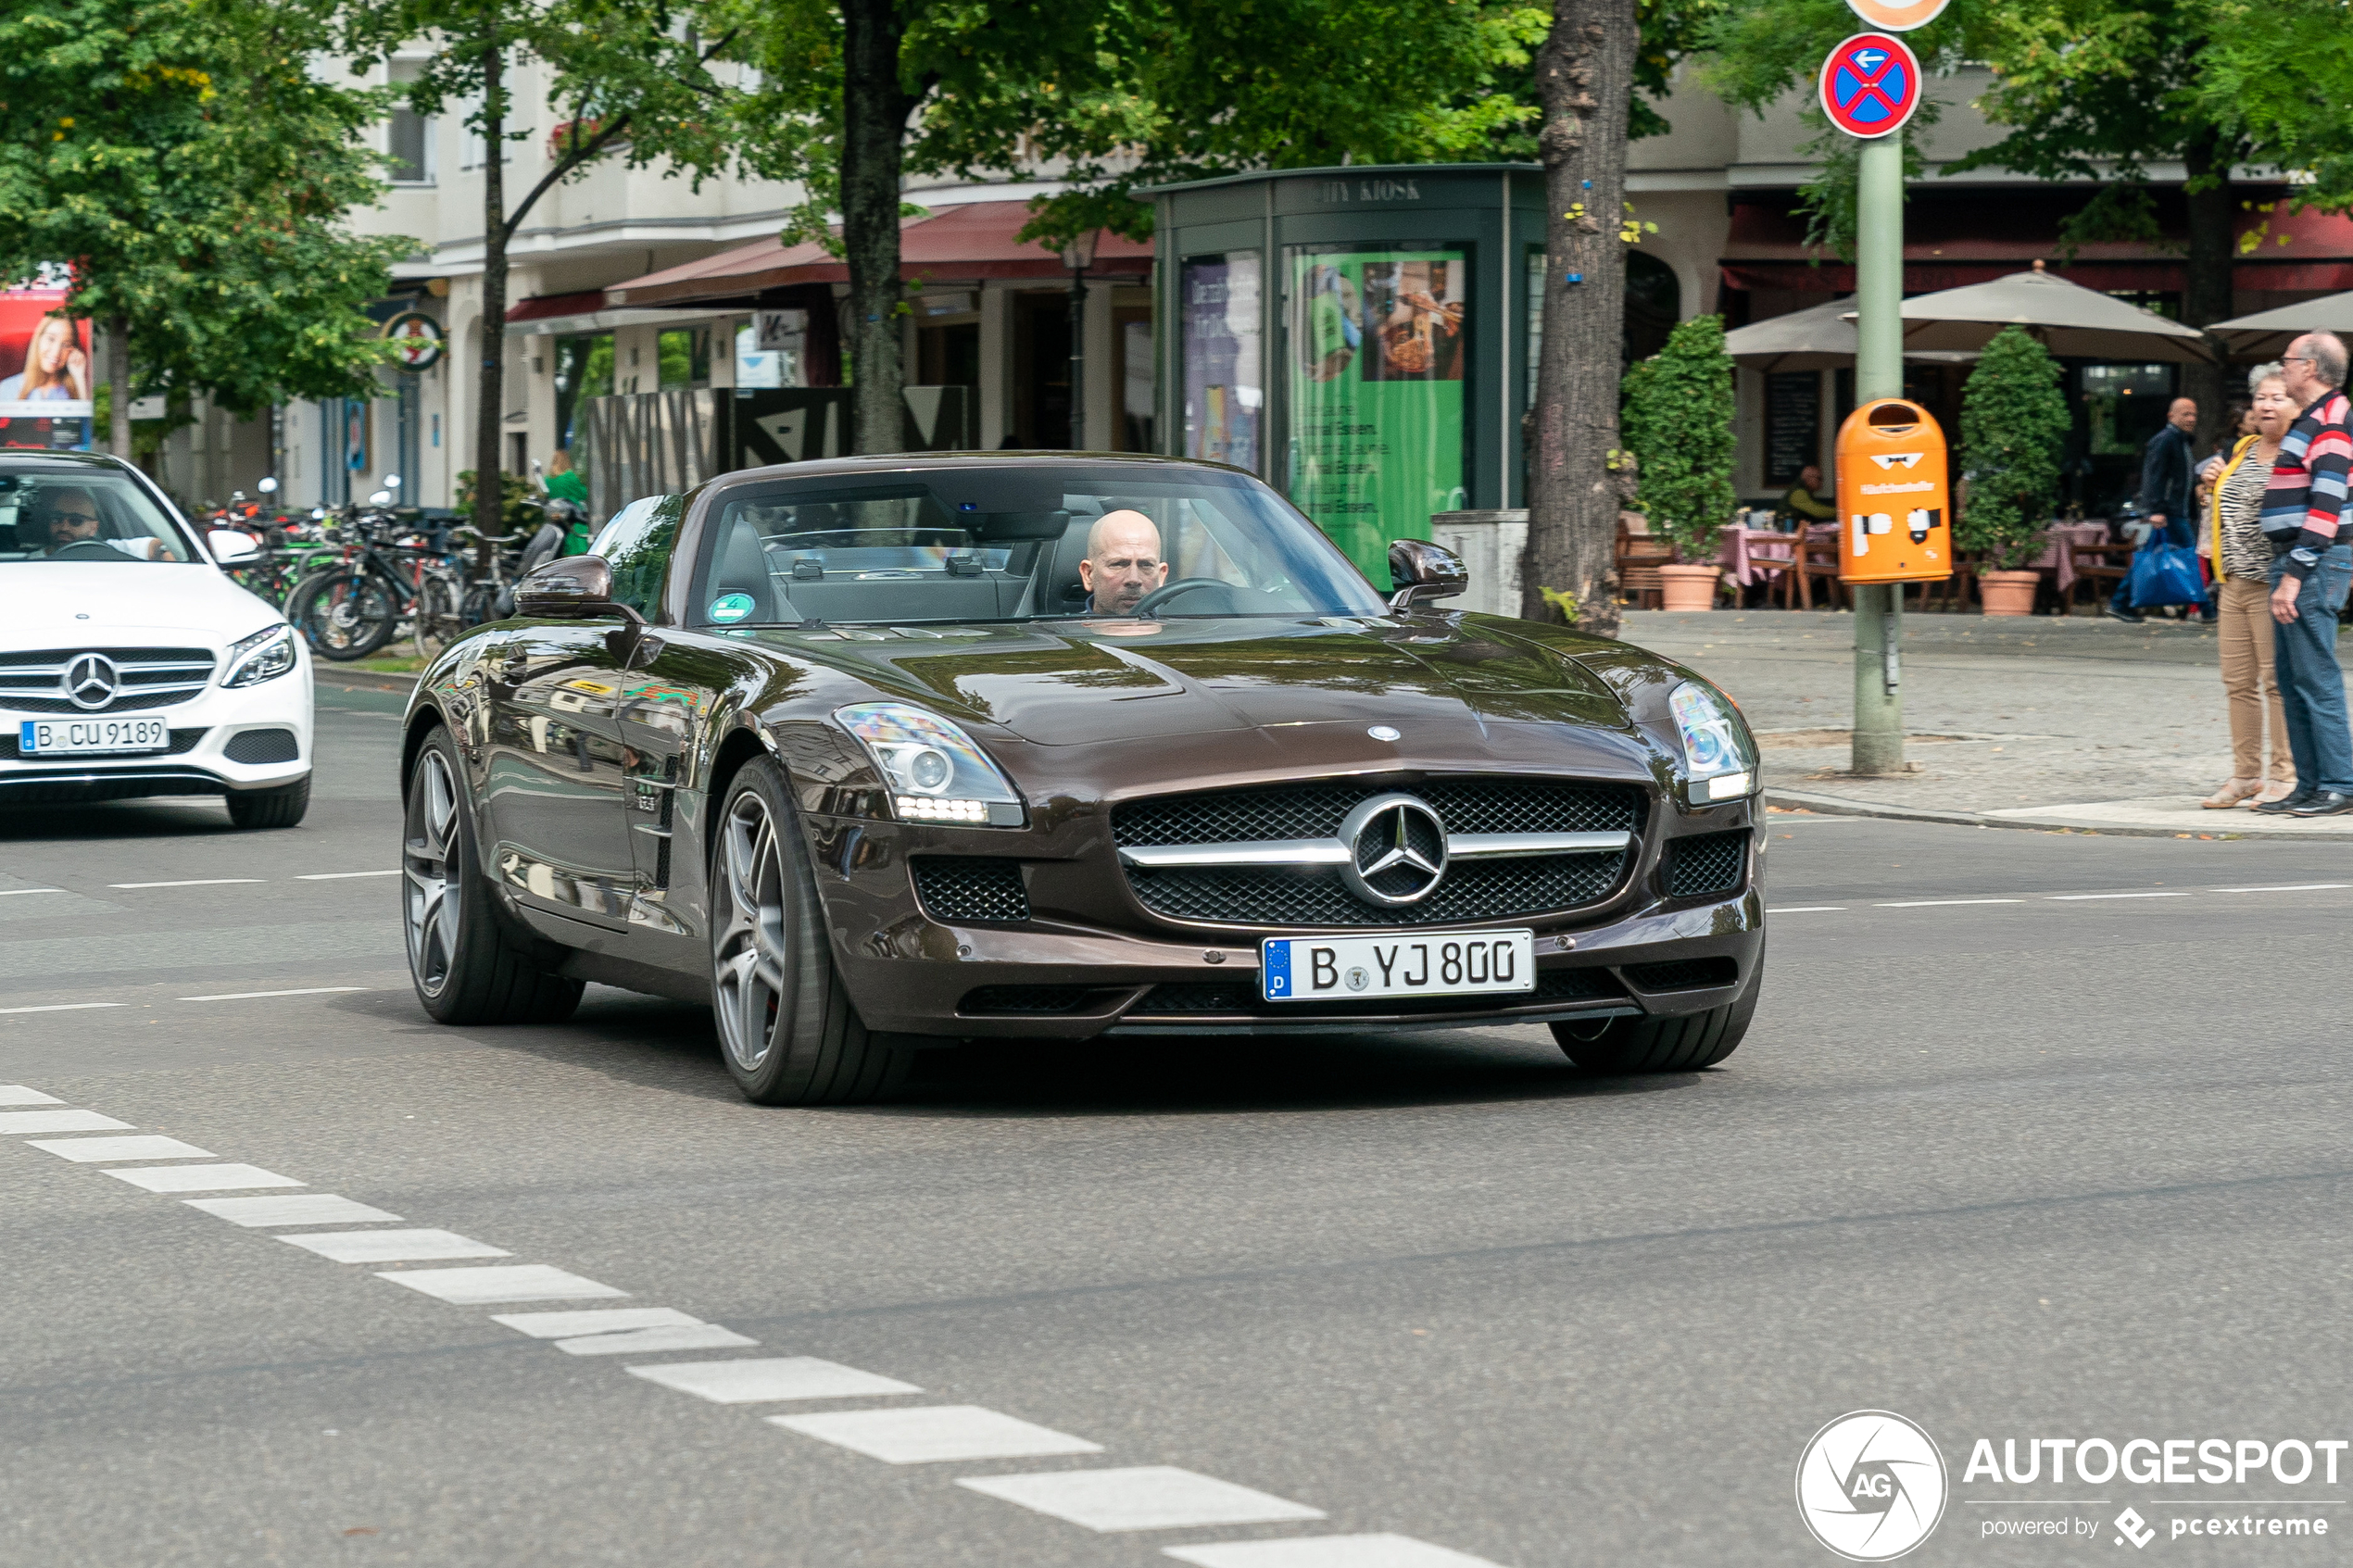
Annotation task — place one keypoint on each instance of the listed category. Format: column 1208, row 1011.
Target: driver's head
column 1123, row 562
column 70, row 516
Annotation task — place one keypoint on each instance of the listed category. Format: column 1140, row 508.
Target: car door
column 663, row 707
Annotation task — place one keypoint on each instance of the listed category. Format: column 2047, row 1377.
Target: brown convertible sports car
column 878, row 754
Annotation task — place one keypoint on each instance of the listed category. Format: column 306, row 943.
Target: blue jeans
column 2312, row 682
column 2177, row 532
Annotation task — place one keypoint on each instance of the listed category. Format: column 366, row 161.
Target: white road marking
column 67, row 1006
column 648, row 1341
column 1149, row 1497
column 20, row 892
column 83, row 1151
column 338, row 876
column 934, row 1433
column 1942, row 903
column 1809, row 909
column 248, row 996
column 2293, row 887
column 203, row 1178
column 594, row 1320
column 1325, row 1551
column 488, row 1286
column 392, row 1246
column 193, row 881
column 290, row 1209
column 16, row 1094
column 2087, row 897
column 785, row 1378
column 58, row 1122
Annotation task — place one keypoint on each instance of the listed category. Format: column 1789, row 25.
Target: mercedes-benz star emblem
column 1397, row 851
column 92, row 681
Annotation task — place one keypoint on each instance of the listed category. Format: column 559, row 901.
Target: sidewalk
column 2026, row 721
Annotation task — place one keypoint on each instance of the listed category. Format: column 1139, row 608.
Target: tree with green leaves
column 178, row 157
column 1677, row 423
column 2014, row 426
column 624, row 80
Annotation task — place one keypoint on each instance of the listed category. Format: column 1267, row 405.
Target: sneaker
column 2324, row 803
column 2130, row 617
column 2287, row 803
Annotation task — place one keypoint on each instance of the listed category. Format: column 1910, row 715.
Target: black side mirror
column 1419, row 569
column 573, row 588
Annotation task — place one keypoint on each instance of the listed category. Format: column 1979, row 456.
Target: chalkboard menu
column 1793, row 425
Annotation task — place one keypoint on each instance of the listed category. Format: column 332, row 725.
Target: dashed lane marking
column 16, row 1094
column 592, row 1320
column 191, row 881
column 935, row 1433
column 648, row 1341
column 58, row 1122
column 338, row 876
column 67, row 1006
column 1944, row 903
column 249, row 996
column 2293, row 888
column 499, row 1284
column 203, row 1178
column 2088, row 898
column 1325, row 1551
column 21, row 892
column 1147, row 1496
column 290, row 1209
column 393, row 1247
column 85, row 1151
column 1810, row 910
column 783, row 1377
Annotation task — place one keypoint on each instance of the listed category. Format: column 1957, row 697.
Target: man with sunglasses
column 2304, row 520
column 70, row 516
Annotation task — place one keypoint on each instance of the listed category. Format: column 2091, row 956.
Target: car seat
column 743, row 569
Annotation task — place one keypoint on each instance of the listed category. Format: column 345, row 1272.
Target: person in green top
column 1806, row 497
column 563, row 484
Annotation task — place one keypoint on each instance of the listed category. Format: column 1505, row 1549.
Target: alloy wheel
column 430, row 891
column 750, row 968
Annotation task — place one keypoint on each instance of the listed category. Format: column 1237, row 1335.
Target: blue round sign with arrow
column 1870, row 86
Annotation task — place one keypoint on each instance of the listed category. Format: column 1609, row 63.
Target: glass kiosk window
column 1223, row 366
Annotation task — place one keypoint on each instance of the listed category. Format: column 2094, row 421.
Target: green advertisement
column 1375, row 416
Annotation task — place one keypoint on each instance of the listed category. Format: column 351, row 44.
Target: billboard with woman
column 45, row 372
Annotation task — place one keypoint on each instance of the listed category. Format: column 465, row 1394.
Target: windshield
column 1011, row 542
column 83, row 515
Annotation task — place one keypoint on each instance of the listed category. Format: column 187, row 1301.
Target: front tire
column 1614, row 1047
column 787, row 1028
column 466, row 967
column 279, row 808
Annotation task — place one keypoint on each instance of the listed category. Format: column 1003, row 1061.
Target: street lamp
column 1079, row 255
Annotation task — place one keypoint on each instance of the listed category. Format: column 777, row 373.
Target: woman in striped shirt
column 2242, row 568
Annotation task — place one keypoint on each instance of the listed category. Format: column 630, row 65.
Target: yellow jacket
column 2214, row 505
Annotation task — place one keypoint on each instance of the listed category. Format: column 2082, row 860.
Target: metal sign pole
column 1878, row 372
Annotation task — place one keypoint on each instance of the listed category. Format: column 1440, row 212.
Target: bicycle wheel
column 345, row 614
column 440, row 618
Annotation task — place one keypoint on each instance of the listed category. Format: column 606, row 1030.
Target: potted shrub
column 2014, row 424
column 1677, row 416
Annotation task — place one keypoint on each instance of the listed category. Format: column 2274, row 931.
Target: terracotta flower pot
column 2008, row 593
column 1689, row 587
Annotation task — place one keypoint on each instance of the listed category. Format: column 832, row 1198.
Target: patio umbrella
column 2267, row 333
column 2071, row 320
column 1819, row 338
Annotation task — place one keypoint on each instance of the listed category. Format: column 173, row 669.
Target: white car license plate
column 65, row 737
column 1353, row 968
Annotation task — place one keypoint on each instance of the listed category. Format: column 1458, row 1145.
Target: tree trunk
column 119, row 387
column 2206, row 297
column 1584, row 73
column 491, row 391
column 874, row 113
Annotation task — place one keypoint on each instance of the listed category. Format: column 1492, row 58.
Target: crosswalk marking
column 933, row 1434
column 783, row 1378
column 1325, row 1551
column 500, row 1282
column 392, row 1246
column 202, row 1178
column 58, row 1122
column 1149, row 1497
column 592, row 1320
column 85, row 1151
column 290, row 1209
column 648, row 1341
column 16, row 1094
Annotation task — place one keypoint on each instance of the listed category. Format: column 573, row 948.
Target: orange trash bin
column 1895, row 503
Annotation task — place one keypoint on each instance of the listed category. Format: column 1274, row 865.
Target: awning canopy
column 1819, row 338
column 969, row 244
column 2068, row 319
column 553, row 314
column 2268, row 333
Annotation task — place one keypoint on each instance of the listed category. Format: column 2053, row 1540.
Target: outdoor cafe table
column 2061, row 557
column 1748, row 552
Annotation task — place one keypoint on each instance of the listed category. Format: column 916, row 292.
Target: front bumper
column 222, row 741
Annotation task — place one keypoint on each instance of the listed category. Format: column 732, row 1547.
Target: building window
column 685, row 356
column 407, row 134
column 584, row 369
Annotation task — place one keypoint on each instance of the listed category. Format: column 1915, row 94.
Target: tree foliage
column 2014, row 426
column 2276, row 75
column 1677, row 423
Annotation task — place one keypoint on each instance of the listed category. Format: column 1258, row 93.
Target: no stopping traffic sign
column 1870, row 86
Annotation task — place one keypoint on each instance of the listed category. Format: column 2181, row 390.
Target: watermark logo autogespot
column 1870, row 1485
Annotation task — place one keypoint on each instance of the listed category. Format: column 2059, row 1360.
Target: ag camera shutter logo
column 1871, row 1485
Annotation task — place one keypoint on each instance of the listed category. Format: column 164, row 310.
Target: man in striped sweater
column 2311, row 566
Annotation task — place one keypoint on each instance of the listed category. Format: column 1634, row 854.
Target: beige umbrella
column 1819, row 338
column 2071, row 320
column 2267, row 333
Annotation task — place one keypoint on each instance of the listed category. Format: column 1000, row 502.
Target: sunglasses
column 72, row 520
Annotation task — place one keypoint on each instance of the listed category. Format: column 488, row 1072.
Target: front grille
column 1683, row 974
column 262, row 745
column 1472, row 890
column 1196, row 998
column 1313, row 810
column 968, row 890
column 182, row 743
column 32, row 681
column 1713, row 862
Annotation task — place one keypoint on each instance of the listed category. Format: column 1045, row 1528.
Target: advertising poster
column 1377, row 394
column 46, row 371
column 1223, row 393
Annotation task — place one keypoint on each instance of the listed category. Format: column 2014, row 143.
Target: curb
column 364, row 680
column 1832, row 805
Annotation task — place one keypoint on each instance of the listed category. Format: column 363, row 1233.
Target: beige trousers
column 2244, row 622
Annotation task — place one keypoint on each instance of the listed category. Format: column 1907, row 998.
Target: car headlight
column 265, row 656
column 936, row 773
column 1719, row 760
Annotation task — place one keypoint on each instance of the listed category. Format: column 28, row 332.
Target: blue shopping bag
column 2166, row 574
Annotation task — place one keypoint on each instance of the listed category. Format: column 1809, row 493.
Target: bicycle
column 451, row 600
column 353, row 608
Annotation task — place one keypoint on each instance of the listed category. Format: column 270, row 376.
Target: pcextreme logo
column 1870, row 1485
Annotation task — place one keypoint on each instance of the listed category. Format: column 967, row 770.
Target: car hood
column 1067, row 684
column 54, row 604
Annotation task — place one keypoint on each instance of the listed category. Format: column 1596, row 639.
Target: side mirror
column 229, row 546
column 571, row 588
column 268, row 487
column 1419, row 569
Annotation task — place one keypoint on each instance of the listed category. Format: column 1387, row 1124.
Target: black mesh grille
column 1313, row 810
column 262, row 745
column 1472, row 890
column 1027, row 998
column 1711, row 862
column 1683, row 974
column 182, row 743
column 1195, row 997
column 971, row 890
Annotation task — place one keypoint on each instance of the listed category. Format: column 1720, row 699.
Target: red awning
column 956, row 244
column 545, row 305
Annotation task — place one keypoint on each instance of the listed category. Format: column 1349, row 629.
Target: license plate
column 1353, row 969
column 63, row 737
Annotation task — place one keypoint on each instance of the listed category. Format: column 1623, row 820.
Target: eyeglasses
column 2295, row 359
column 72, row 520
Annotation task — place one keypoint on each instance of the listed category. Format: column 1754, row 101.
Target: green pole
column 1878, row 372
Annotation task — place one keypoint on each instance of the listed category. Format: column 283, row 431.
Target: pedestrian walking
column 2241, row 561
column 2168, row 474
column 2311, row 566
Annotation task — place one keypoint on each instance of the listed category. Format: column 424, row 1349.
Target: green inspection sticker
column 731, row 607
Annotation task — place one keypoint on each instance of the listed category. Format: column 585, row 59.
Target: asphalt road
column 2013, row 1162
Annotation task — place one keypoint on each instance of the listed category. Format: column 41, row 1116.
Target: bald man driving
column 1123, row 562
